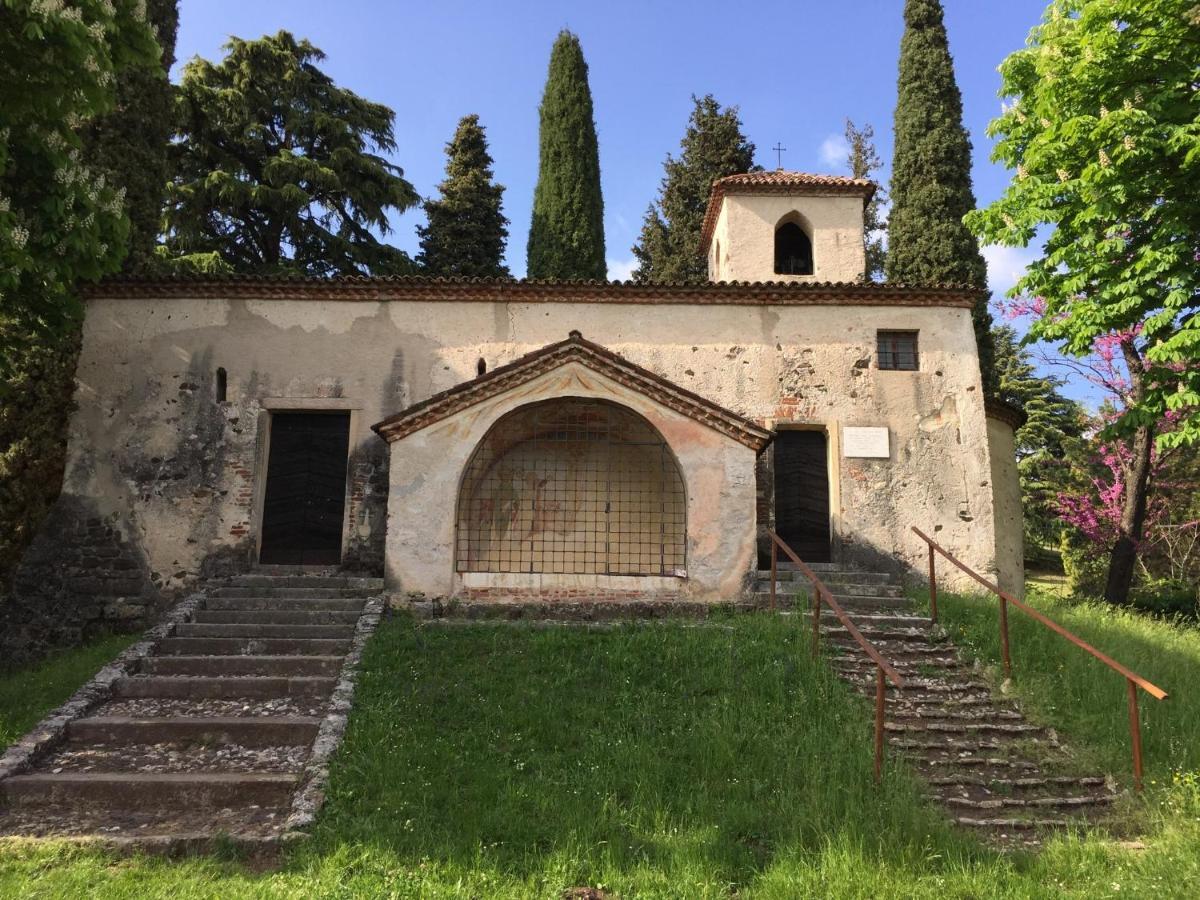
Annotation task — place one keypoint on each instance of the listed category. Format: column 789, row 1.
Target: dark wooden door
column 306, row 489
column 802, row 493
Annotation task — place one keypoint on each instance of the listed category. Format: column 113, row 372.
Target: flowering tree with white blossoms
column 60, row 222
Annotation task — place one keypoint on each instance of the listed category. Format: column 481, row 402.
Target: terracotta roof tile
column 574, row 349
column 508, row 290
column 778, row 182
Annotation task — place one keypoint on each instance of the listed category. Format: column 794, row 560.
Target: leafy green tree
column 278, row 169
column 130, row 144
column 1101, row 132
column 566, row 235
column 863, row 161
column 467, row 231
column 1053, row 429
column 713, row 146
column 931, row 174
column 61, row 221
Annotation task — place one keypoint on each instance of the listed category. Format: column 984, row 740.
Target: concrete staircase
column 997, row 774
column 211, row 733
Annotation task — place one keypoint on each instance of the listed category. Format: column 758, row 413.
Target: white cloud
column 834, row 151
column 1005, row 266
column 621, row 269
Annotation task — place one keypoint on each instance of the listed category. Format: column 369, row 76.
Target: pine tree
column 467, row 231
column 130, row 145
column 713, row 146
column 931, row 174
column 863, row 161
column 566, row 235
column 279, row 170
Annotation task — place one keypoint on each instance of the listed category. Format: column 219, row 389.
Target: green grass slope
column 664, row 761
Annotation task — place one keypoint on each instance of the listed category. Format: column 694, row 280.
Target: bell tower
column 786, row 226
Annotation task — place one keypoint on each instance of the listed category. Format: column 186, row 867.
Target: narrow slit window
column 898, row 350
column 481, row 367
column 222, row 386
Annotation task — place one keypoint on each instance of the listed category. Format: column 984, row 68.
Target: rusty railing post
column 816, row 625
column 774, row 558
column 932, row 585
column 1135, row 730
column 1004, row 637
column 880, row 699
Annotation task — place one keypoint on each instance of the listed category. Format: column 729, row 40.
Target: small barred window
column 898, row 350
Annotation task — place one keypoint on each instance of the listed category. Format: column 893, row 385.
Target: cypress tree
column 467, row 231
column 131, row 143
column 931, row 174
column 713, row 146
column 566, row 235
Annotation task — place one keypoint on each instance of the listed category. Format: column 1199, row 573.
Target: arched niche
column 572, row 486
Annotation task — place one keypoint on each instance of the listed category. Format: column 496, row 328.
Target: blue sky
column 796, row 69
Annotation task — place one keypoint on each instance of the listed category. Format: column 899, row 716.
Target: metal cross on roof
column 778, row 148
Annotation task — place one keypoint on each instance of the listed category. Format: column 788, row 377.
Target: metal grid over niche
column 572, row 486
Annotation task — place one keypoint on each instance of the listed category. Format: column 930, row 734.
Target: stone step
column 878, row 636
column 919, row 688
column 901, row 712
column 962, row 727
column 854, row 607
column 347, row 604
column 351, row 582
column 986, row 766
column 858, row 663
column 250, row 646
column 201, row 630
column 194, row 687
column 942, row 746
column 904, row 649
column 980, row 787
column 880, row 619
column 139, row 790
column 241, row 665
column 837, row 588
column 245, row 731
column 1028, row 803
column 829, row 577
column 1038, row 823
column 274, row 617
column 289, row 593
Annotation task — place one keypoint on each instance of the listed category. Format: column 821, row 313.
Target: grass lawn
column 27, row 695
column 656, row 761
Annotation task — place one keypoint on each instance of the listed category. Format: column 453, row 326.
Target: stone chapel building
column 489, row 438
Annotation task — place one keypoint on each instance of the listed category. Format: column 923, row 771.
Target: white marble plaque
column 865, row 442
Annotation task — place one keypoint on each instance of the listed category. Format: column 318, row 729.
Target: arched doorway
column 572, row 486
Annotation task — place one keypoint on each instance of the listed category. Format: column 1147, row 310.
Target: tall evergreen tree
column 279, row 169
column 467, row 231
column 863, row 161
column 713, row 146
column 130, row 144
column 566, row 235
column 931, row 174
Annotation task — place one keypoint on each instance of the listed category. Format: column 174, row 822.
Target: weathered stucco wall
column 1006, row 492
column 427, row 468
column 151, row 444
column 743, row 243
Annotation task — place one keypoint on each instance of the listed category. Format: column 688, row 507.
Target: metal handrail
column 1132, row 679
column 883, row 669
